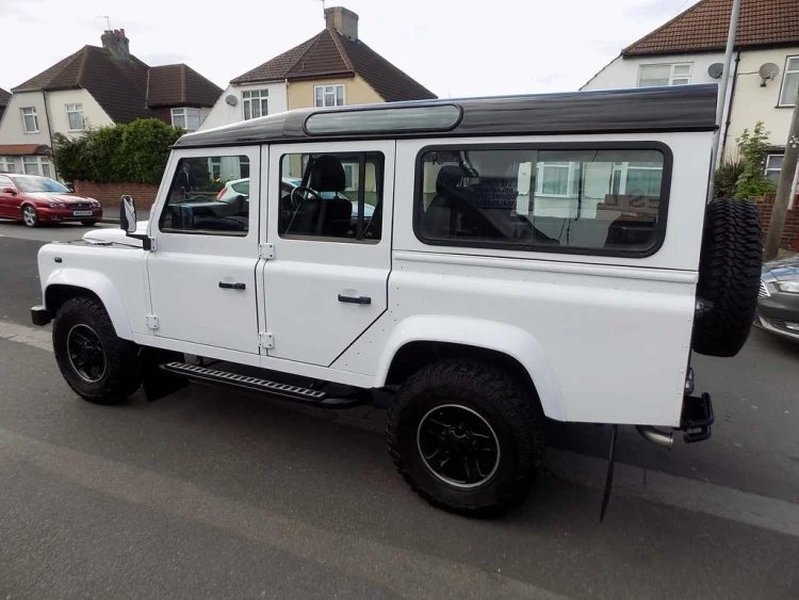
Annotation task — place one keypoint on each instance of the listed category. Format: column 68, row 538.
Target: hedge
column 135, row 151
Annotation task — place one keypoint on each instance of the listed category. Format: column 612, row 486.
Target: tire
column 29, row 216
column 488, row 403
column 729, row 277
column 89, row 223
column 83, row 338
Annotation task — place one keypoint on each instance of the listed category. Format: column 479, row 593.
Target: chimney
column 116, row 43
column 342, row 20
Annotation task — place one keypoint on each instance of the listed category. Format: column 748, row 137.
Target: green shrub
column 753, row 148
column 726, row 178
column 135, row 152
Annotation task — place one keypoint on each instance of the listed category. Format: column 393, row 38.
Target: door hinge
column 266, row 340
column 152, row 322
column 153, row 244
column 266, row 251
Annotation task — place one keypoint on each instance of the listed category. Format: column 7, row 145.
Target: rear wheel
column 29, row 216
column 466, row 436
column 97, row 365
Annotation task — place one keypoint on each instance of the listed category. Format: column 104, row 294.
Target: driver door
column 202, row 273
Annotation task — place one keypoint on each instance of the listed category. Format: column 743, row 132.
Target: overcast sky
column 453, row 47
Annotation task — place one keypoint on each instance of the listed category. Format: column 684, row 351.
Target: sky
column 454, row 48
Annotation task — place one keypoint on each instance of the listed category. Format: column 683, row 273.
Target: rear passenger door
column 326, row 283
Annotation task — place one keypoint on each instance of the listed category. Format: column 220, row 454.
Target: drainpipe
column 729, row 109
column 49, row 131
column 736, row 9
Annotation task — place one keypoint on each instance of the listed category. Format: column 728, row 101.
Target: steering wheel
column 297, row 199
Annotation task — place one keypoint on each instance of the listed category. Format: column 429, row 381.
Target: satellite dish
column 768, row 71
column 231, row 99
column 715, row 70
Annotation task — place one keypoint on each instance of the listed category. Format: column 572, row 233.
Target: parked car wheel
column 97, row 365
column 29, row 216
column 466, row 436
column 729, row 277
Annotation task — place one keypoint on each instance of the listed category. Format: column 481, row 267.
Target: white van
column 476, row 265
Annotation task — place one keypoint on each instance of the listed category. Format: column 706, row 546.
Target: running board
column 284, row 390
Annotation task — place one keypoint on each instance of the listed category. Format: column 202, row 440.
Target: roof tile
column 704, row 26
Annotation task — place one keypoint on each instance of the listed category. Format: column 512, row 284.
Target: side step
column 290, row 392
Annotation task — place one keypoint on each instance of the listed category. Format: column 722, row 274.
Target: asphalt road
column 210, row 493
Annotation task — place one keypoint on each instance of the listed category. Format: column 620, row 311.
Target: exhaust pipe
column 656, row 436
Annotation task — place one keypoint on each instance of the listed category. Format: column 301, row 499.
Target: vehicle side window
column 5, row 182
column 337, row 196
column 595, row 201
column 209, row 195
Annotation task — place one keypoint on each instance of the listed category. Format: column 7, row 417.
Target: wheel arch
column 65, row 284
column 418, row 340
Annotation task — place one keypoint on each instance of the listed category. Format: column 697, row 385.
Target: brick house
column 96, row 87
column 333, row 68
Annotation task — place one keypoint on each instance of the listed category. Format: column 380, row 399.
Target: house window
column 7, row 164
column 329, row 95
column 186, row 118
column 790, row 82
column 665, row 74
column 36, row 165
column 30, row 122
column 773, row 167
column 256, row 103
column 75, row 117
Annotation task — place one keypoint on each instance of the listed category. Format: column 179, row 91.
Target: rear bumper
column 48, row 214
column 40, row 315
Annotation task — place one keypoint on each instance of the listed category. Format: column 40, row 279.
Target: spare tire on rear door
column 729, row 277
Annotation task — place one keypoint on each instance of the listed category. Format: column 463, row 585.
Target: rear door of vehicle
column 326, row 283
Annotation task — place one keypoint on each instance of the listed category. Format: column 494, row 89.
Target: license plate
column 82, row 213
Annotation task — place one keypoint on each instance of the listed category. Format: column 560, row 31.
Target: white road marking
column 655, row 486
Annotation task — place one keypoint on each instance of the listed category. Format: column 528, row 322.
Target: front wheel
column 97, row 365
column 467, row 436
column 29, row 216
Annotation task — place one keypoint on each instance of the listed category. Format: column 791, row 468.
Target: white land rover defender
column 476, row 265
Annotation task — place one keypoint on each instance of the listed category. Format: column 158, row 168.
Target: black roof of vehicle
column 658, row 109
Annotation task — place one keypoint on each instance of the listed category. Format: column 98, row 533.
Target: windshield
column 31, row 184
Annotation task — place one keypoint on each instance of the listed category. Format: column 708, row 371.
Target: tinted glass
column 337, row 196
column 40, row 184
column 603, row 200
column 425, row 118
column 200, row 200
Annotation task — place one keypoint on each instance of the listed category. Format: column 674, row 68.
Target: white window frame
column 573, row 168
column 75, row 109
column 767, row 169
column 32, row 114
column 185, row 112
column 673, row 75
column 331, row 89
column 623, row 168
column 786, row 72
column 40, row 163
column 8, row 164
column 254, row 98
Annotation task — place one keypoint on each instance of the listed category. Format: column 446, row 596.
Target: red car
column 33, row 200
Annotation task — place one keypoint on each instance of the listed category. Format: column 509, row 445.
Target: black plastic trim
column 663, row 207
column 40, row 315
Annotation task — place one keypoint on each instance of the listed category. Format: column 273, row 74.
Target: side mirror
column 127, row 214
column 10, row 190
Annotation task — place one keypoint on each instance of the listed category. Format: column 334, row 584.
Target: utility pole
column 784, row 188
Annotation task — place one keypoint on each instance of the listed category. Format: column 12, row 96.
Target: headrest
column 327, row 174
column 449, row 176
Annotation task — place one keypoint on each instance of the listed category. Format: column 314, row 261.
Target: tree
column 753, row 148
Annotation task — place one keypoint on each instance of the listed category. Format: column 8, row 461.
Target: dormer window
column 186, row 118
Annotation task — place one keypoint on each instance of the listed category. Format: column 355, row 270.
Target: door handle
column 225, row 285
column 354, row 299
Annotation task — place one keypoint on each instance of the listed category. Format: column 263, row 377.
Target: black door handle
column 354, row 299
column 232, row 286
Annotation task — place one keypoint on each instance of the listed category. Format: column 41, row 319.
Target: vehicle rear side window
column 210, row 195
column 604, row 200
column 332, row 196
